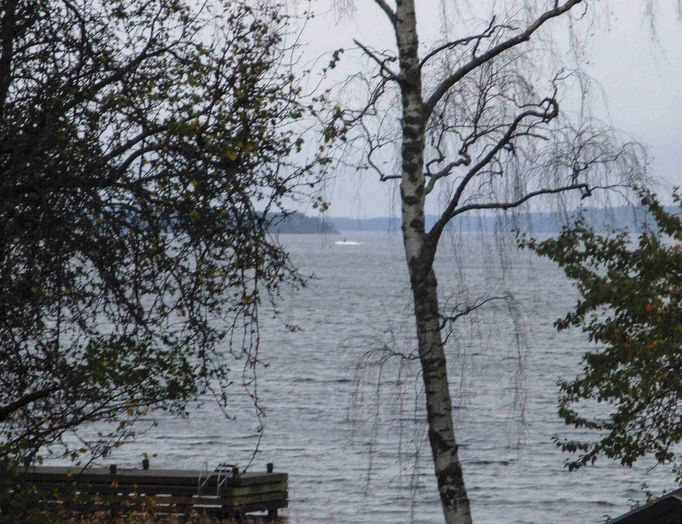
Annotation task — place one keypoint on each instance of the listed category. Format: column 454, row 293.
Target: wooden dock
column 224, row 492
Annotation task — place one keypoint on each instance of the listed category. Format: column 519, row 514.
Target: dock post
column 113, row 508
column 4, row 477
column 145, row 463
column 272, row 513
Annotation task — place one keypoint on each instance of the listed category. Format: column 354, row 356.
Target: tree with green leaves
column 142, row 147
column 628, row 394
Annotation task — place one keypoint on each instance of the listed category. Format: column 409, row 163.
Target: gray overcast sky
column 640, row 76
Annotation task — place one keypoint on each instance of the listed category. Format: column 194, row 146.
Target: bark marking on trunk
column 418, row 253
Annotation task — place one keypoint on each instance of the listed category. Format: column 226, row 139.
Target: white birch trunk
column 419, row 255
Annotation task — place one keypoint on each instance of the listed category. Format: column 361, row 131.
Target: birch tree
column 478, row 126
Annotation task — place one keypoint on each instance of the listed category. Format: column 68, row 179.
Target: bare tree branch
column 391, row 75
column 489, row 31
column 524, row 36
column 7, row 410
column 584, row 188
column 469, row 309
column 434, row 177
column 387, row 9
column 551, row 111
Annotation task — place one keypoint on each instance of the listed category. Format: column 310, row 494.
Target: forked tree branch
column 462, row 41
column 548, row 114
column 469, row 309
column 465, row 160
column 434, row 235
column 476, row 62
column 391, row 75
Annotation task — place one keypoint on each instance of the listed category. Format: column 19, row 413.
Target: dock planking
column 225, row 493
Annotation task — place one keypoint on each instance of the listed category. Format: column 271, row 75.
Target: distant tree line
column 299, row 223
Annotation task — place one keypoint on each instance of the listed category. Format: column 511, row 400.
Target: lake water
column 351, row 435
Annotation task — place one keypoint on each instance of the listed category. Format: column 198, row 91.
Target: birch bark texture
column 448, row 469
column 477, row 128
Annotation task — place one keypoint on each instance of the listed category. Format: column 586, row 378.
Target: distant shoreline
column 617, row 218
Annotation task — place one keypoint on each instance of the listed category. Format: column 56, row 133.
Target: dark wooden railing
column 224, row 492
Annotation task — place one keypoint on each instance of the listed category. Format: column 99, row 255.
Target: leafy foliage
column 142, row 147
column 631, row 307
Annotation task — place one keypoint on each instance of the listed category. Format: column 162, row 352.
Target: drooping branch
column 550, row 112
column 358, row 114
column 488, row 33
column 389, row 74
column 466, row 310
column 478, row 61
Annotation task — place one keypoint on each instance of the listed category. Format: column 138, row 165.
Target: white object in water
column 345, row 242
